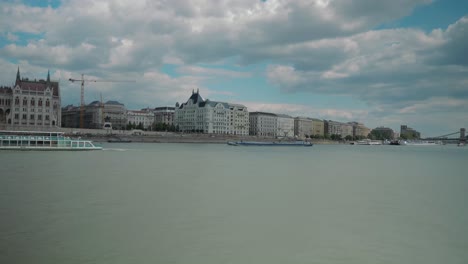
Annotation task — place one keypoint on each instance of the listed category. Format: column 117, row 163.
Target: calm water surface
column 196, row 203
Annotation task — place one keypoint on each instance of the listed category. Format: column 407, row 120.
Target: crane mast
column 82, row 103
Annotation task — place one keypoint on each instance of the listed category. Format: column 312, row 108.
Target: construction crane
column 82, row 104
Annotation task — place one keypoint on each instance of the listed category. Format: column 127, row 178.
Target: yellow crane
column 82, row 104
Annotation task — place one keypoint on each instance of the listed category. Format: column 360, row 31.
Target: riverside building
column 318, row 127
column 302, row 127
column 95, row 114
column 198, row 115
column 263, row 124
column 30, row 103
column 137, row 117
column 359, row 130
column 284, row 126
column 164, row 115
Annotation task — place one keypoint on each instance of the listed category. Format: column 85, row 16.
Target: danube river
column 213, row 203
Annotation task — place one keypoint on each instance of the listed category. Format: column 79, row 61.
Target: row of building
column 37, row 103
column 205, row 116
column 199, row 115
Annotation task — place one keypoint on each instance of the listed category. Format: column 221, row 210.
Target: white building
column 145, row 118
column 31, row 103
column 284, row 126
column 198, row 115
column 338, row 128
column 263, row 124
column 303, row 127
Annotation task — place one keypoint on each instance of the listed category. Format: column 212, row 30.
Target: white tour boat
column 35, row 140
column 368, row 142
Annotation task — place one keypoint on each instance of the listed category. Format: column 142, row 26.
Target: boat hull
column 49, row 148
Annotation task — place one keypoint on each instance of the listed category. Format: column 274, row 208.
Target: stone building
column 95, row 114
column 164, row 115
column 30, row 103
column 359, row 130
column 263, row 124
column 302, row 127
column 409, row 133
column 284, row 126
column 137, row 117
column 198, row 115
column 318, row 127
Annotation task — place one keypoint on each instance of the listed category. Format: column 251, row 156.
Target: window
column 31, row 117
column 17, row 101
column 40, row 102
column 47, row 117
column 24, row 116
column 16, row 116
column 39, row 117
column 47, row 104
column 25, row 101
column 32, row 102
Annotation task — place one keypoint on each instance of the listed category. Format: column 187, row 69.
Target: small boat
column 271, row 143
column 38, row 140
column 397, row 142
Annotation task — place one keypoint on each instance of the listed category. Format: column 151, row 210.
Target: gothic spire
column 18, row 78
column 48, row 76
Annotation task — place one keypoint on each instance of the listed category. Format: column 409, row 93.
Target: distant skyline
column 383, row 63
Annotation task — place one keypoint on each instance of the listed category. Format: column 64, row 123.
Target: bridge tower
column 462, row 135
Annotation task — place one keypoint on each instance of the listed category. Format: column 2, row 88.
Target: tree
column 348, row 137
column 381, row 134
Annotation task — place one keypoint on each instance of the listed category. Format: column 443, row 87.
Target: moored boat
column 37, row 140
column 271, row 143
column 423, row 143
column 368, row 142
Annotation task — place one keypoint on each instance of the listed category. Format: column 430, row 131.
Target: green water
column 195, row 203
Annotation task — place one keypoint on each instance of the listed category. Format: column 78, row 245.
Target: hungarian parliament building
column 30, row 103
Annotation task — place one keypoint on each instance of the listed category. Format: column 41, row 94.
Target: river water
column 211, row 203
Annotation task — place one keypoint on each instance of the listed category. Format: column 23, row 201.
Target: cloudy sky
column 380, row 62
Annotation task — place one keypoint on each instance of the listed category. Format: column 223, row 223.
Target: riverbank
column 187, row 138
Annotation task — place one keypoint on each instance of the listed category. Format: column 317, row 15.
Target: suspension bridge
column 451, row 138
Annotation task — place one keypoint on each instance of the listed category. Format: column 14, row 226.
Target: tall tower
column 18, row 78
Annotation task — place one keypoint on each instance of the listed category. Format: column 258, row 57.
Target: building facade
column 31, row 103
column 360, row 130
column 263, row 124
column 409, row 133
column 318, row 127
column 164, row 115
column 95, row 114
column 332, row 128
column 302, row 127
column 198, row 115
column 346, row 130
column 137, row 117
column 284, row 126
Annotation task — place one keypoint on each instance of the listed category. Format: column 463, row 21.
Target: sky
column 379, row 62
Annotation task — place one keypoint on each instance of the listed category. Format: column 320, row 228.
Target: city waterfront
column 213, row 203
